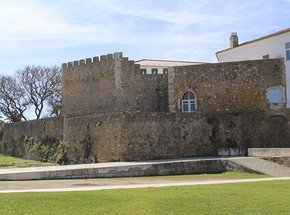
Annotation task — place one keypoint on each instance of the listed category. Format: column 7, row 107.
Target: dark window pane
column 191, row 96
column 185, row 96
column 185, row 108
column 188, row 95
column 288, row 55
column 192, row 107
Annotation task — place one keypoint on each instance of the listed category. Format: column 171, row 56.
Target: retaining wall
column 137, row 136
column 41, row 128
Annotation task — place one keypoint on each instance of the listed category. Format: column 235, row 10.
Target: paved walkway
column 116, row 169
column 262, row 166
column 145, row 168
column 87, row 185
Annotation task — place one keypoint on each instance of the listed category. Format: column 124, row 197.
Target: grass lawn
column 6, row 161
column 272, row 197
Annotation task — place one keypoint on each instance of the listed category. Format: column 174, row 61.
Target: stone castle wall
column 243, row 130
column 154, row 96
column 36, row 139
column 41, row 128
column 113, row 112
column 143, row 136
column 110, row 84
column 228, row 87
column 137, row 136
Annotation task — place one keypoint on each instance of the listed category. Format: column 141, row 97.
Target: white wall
column 274, row 46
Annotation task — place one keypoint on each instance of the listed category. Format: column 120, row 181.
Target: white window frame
column 189, row 103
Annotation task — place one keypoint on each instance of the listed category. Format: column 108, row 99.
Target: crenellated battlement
column 94, row 60
column 110, row 83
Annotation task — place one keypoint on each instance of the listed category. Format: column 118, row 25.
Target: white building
column 276, row 45
column 161, row 66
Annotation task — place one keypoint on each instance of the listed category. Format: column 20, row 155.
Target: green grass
column 272, row 197
column 6, row 161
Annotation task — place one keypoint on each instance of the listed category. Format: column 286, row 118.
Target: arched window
column 188, row 103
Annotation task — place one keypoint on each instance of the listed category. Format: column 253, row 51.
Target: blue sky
column 51, row 32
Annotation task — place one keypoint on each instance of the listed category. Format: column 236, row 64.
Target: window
column 287, row 47
column 143, row 71
column 188, row 103
column 165, row 70
column 154, row 70
column 288, row 54
column 266, row 56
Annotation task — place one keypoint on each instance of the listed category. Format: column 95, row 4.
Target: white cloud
column 184, row 29
column 31, row 21
column 34, row 21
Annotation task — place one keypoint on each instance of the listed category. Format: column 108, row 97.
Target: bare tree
column 55, row 102
column 40, row 84
column 12, row 99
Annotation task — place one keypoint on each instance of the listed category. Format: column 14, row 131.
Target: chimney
column 234, row 40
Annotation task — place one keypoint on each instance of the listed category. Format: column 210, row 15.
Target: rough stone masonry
column 113, row 112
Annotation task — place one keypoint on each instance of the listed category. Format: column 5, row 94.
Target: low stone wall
column 41, row 128
column 137, row 136
column 142, row 136
column 36, row 139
